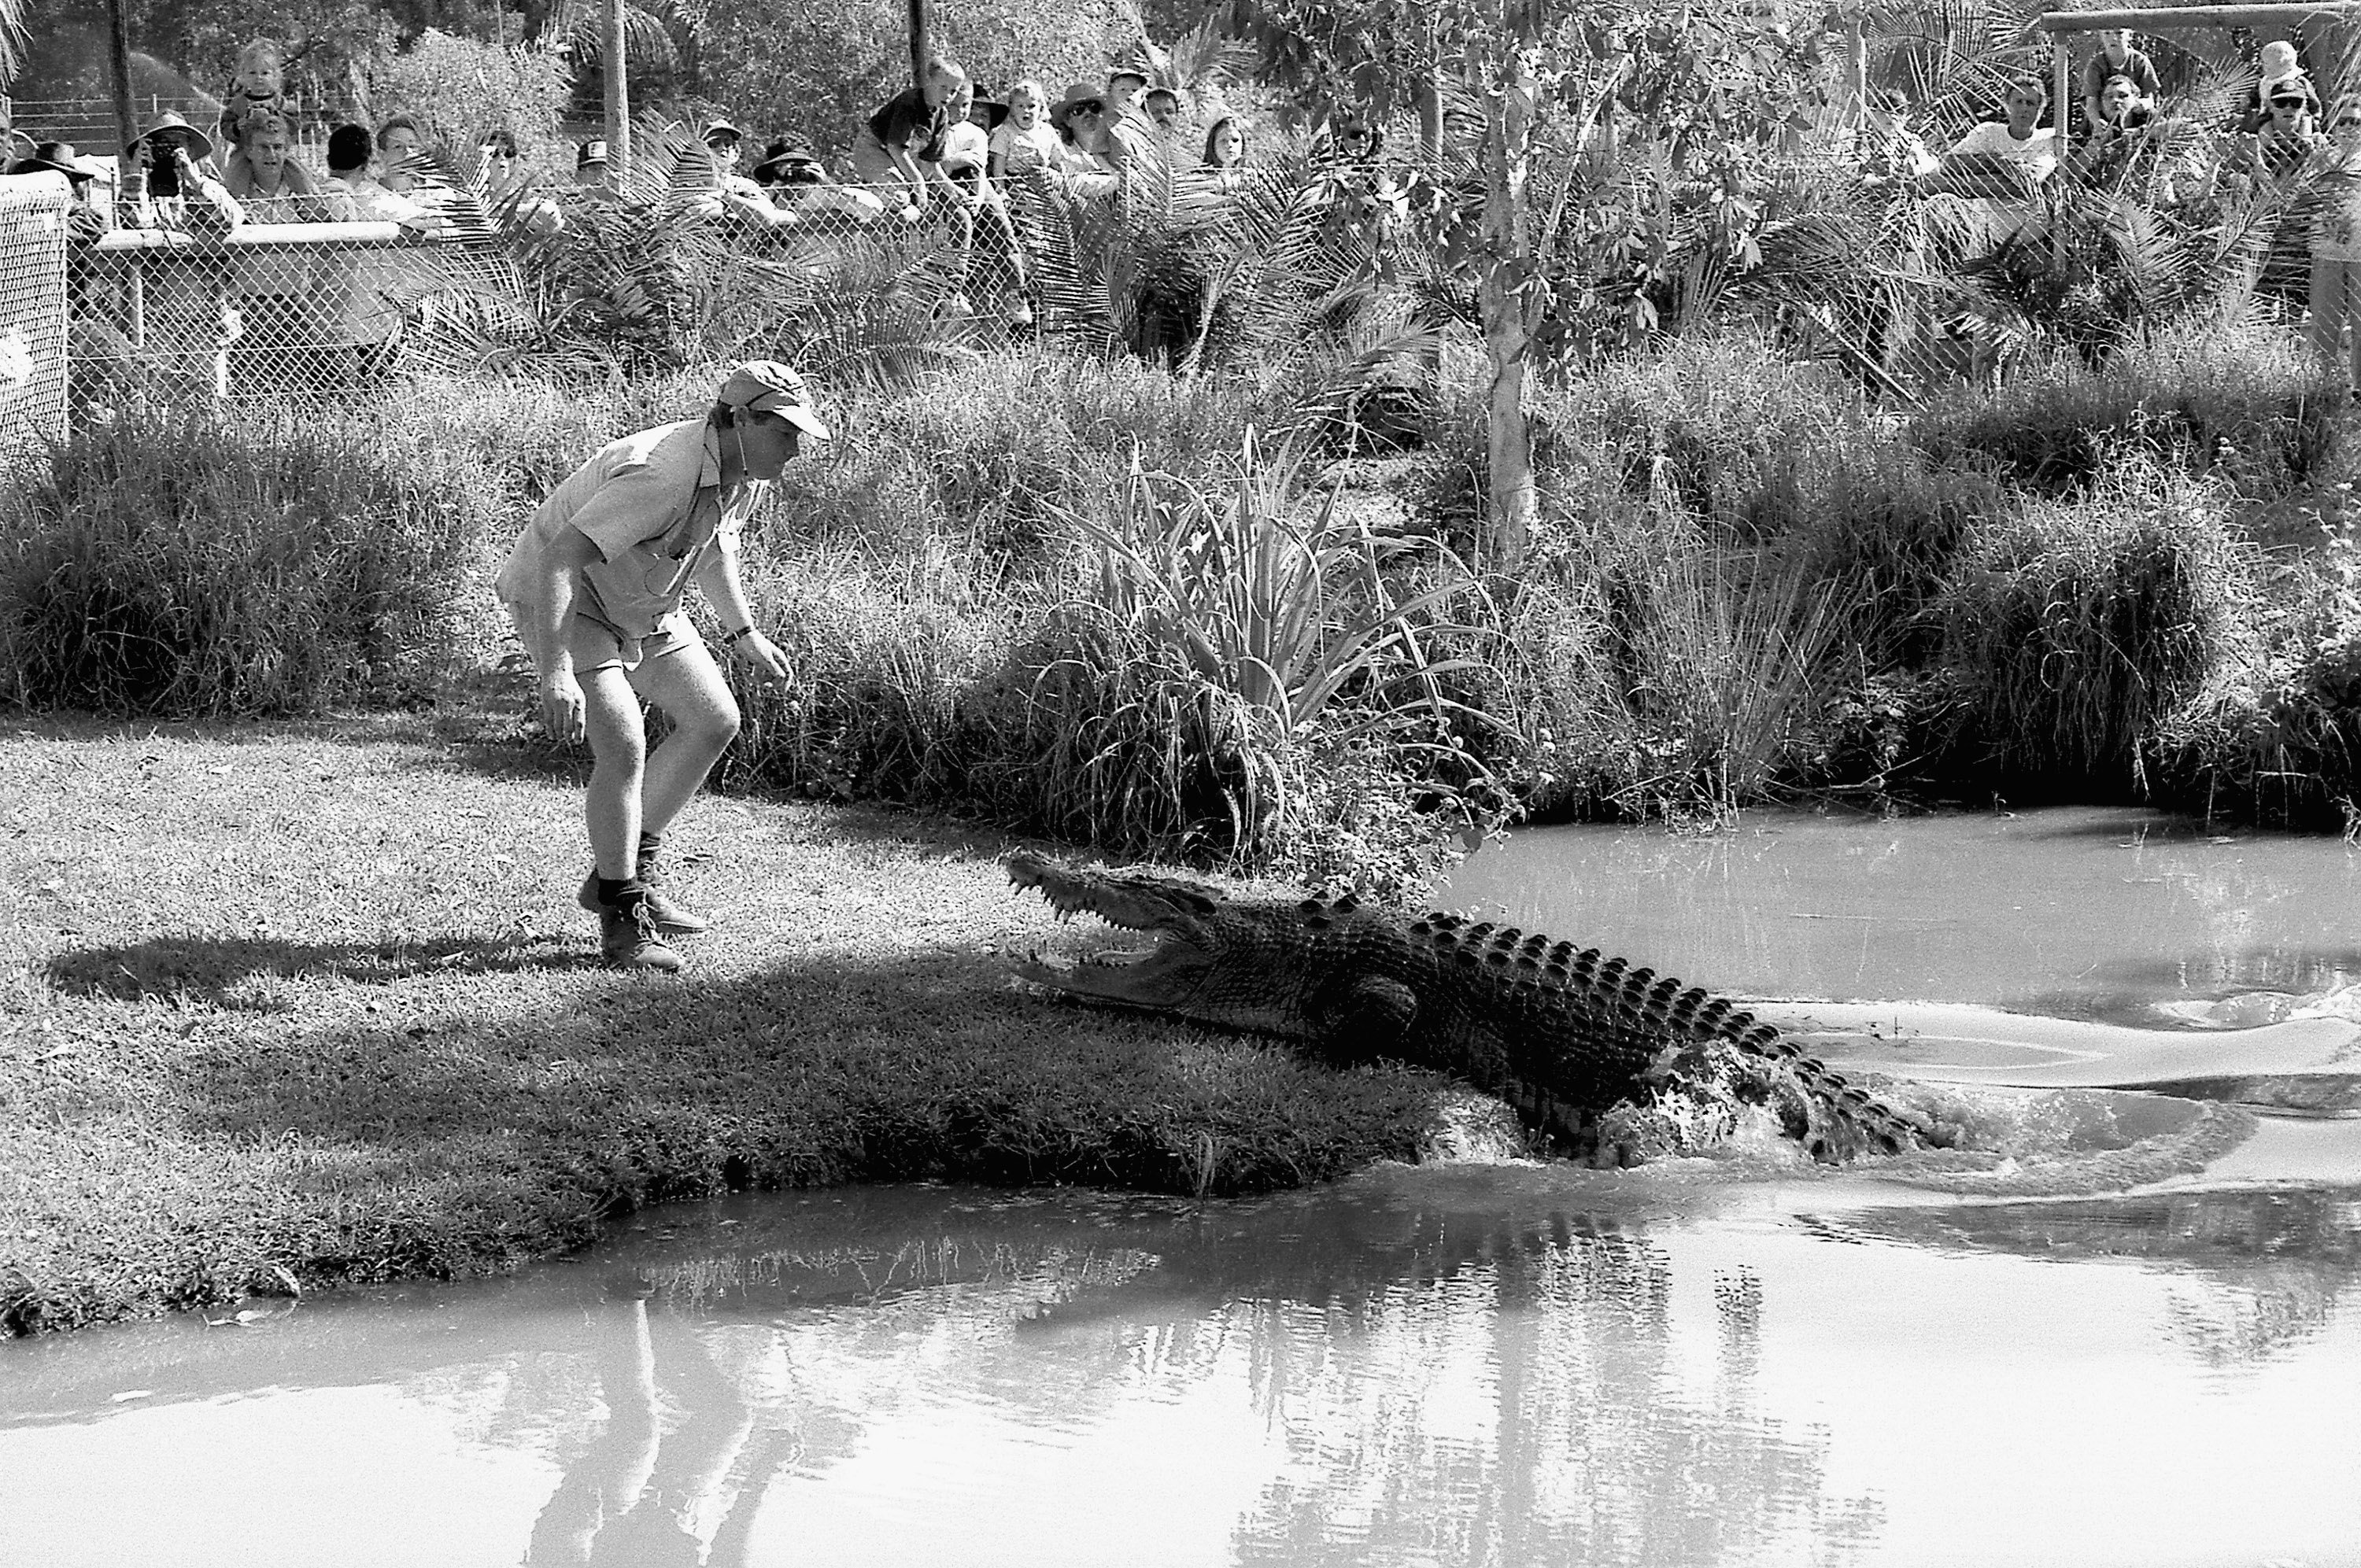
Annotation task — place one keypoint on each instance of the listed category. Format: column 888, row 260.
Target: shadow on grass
column 809, row 1072
column 217, row 969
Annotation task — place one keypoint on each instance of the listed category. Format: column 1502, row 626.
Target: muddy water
column 1729, row 1364
column 2076, row 912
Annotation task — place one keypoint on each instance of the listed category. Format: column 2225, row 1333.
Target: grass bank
column 286, row 1003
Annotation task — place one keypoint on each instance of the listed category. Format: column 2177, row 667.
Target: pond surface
column 1506, row 1364
column 2070, row 913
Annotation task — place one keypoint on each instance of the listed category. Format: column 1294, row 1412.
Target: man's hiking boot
column 628, row 936
column 672, row 918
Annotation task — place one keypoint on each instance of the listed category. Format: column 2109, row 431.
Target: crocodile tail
column 1877, row 1124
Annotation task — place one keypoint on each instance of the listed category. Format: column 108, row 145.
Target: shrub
column 278, row 566
column 884, row 665
column 2242, row 405
column 818, row 69
column 2072, row 627
column 463, row 87
column 2276, row 736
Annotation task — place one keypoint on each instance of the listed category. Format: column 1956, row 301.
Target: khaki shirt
column 653, row 505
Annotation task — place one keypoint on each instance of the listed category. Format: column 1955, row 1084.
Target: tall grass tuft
column 276, row 565
column 2072, row 627
column 2241, row 404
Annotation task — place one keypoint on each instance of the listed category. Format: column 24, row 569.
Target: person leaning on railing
column 902, row 143
column 995, row 262
column 735, row 197
column 291, row 297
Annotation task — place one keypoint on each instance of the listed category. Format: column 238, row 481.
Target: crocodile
column 1563, row 1035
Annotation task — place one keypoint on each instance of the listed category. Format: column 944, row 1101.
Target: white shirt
column 2038, row 152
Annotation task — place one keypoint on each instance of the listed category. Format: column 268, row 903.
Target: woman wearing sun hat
column 595, row 585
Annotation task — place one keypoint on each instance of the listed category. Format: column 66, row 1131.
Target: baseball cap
column 768, row 386
column 715, row 128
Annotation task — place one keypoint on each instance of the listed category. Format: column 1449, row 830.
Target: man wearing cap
column 590, row 168
column 595, row 585
column 737, row 196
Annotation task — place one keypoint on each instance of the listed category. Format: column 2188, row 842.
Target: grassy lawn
column 284, row 1004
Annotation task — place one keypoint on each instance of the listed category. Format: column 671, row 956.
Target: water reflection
column 1513, row 1367
column 2276, row 1265
column 649, row 1490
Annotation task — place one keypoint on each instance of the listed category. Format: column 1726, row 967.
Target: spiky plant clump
column 2072, row 628
column 275, row 565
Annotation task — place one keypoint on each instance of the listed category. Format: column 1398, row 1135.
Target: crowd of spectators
column 2276, row 154
column 948, row 155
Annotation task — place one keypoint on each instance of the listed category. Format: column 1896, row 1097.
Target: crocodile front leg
column 1364, row 1017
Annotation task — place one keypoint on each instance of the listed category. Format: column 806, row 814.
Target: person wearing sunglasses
column 2336, row 246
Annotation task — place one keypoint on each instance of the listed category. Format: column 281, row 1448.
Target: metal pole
column 619, row 96
column 118, row 52
column 2062, row 67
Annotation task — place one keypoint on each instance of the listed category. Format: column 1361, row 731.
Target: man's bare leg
column 619, row 753
column 691, row 690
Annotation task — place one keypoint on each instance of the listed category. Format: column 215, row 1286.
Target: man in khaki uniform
column 595, row 585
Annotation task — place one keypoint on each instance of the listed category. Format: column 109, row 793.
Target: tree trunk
column 1504, row 301
column 118, row 65
column 619, row 96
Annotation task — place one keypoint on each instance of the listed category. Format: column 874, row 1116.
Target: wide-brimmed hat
column 994, row 111
column 782, row 155
column 592, row 153
column 720, row 128
column 1133, row 71
column 56, row 157
column 168, row 126
column 768, row 386
column 1076, row 93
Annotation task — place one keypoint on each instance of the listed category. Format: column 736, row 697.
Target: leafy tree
column 818, row 68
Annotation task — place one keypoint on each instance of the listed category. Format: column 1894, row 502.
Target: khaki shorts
column 597, row 646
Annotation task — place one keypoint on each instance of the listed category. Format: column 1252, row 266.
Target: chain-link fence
column 191, row 306
column 34, row 293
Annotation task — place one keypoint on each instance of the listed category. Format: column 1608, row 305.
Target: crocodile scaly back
column 1634, row 1016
